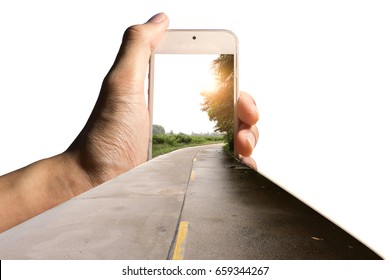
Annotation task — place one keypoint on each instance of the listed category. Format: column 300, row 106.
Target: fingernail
column 157, row 18
column 251, row 139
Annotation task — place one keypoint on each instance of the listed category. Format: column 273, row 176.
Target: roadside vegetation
column 165, row 143
column 219, row 102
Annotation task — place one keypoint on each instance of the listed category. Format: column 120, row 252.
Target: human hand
column 248, row 133
column 115, row 138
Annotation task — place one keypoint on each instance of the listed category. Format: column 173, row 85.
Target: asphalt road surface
column 194, row 203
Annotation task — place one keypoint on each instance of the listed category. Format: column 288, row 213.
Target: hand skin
column 248, row 133
column 114, row 139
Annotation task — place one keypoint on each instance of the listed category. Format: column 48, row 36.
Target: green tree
column 158, row 129
column 219, row 103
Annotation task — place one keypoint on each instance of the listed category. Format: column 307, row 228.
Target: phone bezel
column 194, row 41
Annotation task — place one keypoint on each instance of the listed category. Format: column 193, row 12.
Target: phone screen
column 193, row 101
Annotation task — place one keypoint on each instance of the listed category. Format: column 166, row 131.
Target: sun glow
column 210, row 83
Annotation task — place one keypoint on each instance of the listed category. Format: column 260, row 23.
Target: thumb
column 138, row 42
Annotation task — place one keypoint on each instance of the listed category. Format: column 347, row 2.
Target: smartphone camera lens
column 193, row 37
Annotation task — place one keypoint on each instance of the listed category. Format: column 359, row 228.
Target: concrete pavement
column 195, row 203
column 235, row 213
column 133, row 216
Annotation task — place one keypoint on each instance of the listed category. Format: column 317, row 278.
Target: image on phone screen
column 193, row 101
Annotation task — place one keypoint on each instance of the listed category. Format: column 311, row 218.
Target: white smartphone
column 193, row 88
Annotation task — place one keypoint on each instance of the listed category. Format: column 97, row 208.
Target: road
column 194, row 203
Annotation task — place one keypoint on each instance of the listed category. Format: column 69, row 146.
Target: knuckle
column 132, row 32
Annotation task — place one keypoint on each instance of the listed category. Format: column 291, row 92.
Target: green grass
column 165, row 143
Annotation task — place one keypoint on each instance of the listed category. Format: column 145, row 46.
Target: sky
column 179, row 80
column 318, row 70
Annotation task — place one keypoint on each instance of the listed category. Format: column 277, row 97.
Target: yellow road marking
column 192, row 177
column 178, row 254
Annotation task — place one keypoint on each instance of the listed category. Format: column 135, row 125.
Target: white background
column 319, row 71
column 113, row 270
